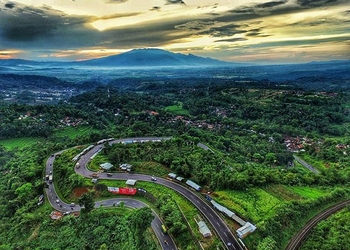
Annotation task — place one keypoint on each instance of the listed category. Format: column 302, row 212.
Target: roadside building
column 125, row 167
column 227, row 212
column 245, row 230
column 106, row 166
column 172, row 175
column 193, row 185
column 55, row 215
column 203, row 229
column 179, row 178
column 130, row 182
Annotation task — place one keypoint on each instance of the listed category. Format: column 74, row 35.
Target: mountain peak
column 153, row 57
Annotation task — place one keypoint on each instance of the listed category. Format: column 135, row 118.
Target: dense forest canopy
column 252, row 134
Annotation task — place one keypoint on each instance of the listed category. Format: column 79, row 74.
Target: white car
column 57, row 201
column 153, row 178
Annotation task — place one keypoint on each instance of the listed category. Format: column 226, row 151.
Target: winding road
column 223, row 231
column 305, row 164
column 301, row 236
column 195, row 198
column 165, row 240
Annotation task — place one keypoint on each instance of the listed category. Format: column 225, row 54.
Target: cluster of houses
column 297, row 144
column 195, row 123
column 72, row 122
column 343, row 147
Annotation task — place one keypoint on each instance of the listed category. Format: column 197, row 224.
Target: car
column 57, row 201
column 109, row 174
column 153, row 178
column 72, row 205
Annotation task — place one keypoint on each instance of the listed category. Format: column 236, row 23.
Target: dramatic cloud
column 222, row 29
column 9, row 5
column 315, row 2
column 270, row 4
column 175, row 2
column 232, row 40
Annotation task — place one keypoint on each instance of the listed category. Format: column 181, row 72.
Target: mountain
column 152, row 58
column 134, row 58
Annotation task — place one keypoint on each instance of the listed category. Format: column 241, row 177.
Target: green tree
column 267, row 243
column 86, row 201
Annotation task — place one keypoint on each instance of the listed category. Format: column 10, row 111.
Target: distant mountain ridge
column 134, row 58
column 153, row 57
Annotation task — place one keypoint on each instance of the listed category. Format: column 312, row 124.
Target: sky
column 275, row 31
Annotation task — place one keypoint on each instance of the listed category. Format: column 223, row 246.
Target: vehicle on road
column 109, row 174
column 50, row 178
column 153, row 178
column 94, row 175
column 72, row 205
column 164, row 230
column 57, row 201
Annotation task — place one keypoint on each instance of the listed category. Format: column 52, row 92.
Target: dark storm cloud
column 155, row 8
column 152, row 34
column 256, row 33
column 9, row 5
column 43, row 29
column 222, row 31
column 174, row 2
column 210, row 28
column 27, row 27
column 238, row 39
column 306, row 3
column 195, row 25
column 270, row 4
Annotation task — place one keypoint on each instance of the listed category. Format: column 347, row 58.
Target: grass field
column 308, row 193
column 74, row 132
column 177, row 109
column 257, row 205
column 254, row 204
column 11, row 144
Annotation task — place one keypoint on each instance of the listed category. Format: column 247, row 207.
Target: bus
column 164, row 229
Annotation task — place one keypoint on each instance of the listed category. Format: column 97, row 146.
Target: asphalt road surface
column 165, row 240
column 305, row 164
column 227, row 237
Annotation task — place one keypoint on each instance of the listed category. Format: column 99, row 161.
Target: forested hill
column 32, row 82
